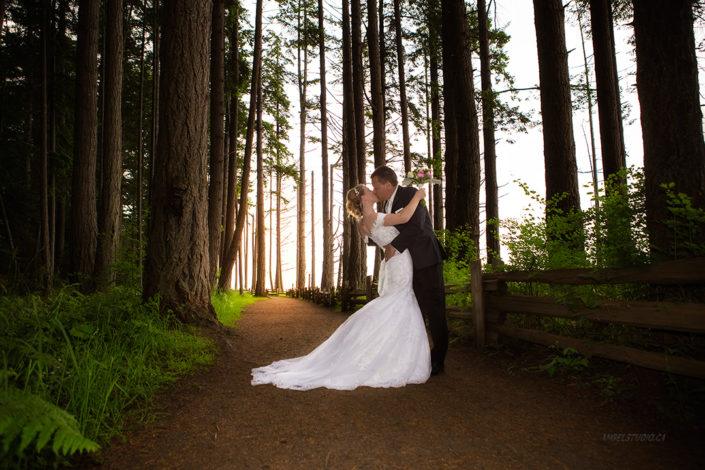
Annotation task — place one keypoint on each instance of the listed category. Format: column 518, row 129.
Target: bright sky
column 521, row 159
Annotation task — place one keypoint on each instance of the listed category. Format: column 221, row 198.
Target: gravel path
column 475, row 416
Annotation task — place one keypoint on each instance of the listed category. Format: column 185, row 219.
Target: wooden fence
column 491, row 303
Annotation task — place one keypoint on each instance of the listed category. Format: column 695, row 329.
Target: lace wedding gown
column 384, row 344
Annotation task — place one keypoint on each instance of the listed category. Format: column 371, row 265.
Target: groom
column 427, row 255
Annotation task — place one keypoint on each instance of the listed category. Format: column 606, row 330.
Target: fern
column 27, row 418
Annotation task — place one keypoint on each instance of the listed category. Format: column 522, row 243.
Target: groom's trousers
column 430, row 294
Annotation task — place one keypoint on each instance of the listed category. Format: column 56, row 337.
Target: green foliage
column 229, row 304
column 92, row 356
column 615, row 225
column 27, row 418
column 459, row 246
column 461, row 251
column 685, row 400
column 569, row 361
column 687, row 224
column 611, row 233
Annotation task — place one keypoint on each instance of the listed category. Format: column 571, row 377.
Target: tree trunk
column 352, row 250
column 177, row 252
column 245, row 178
column 278, row 283
column 592, row 146
column 378, row 135
column 609, row 107
column 459, row 89
column 110, row 198
column 2, row 17
column 449, row 44
column 403, row 105
column 302, row 78
column 270, row 271
column 217, row 110
column 434, row 26
column 228, row 262
column 140, row 155
column 327, row 265
column 84, row 225
column 312, row 282
column 46, row 228
column 671, row 118
column 260, row 289
column 358, row 93
column 155, row 92
column 255, row 253
column 556, row 110
column 491, row 196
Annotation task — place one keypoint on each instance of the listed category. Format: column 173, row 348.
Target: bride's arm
column 405, row 214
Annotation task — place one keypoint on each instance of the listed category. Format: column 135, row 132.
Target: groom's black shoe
column 436, row 368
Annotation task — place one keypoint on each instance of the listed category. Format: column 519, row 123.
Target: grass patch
column 229, row 304
column 92, row 356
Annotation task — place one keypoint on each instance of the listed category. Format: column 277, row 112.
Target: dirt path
column 476, row 415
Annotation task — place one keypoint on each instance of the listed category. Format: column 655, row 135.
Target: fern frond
column 28, row 416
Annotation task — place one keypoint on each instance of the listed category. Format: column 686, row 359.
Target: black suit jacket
column 417, row 234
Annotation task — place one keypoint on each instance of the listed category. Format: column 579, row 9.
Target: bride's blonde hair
column 353, row 200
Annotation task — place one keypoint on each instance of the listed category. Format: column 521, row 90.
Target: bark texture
column 609, row 107
column 177, row 253
column 556, row 109
column 217, row 147
column 84, row 225
column 111, row 198
column 671, row 118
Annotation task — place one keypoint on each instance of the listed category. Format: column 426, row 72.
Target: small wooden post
column 478, row 305
column 368, row 288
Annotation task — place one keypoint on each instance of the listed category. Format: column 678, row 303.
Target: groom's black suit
column 427, row 254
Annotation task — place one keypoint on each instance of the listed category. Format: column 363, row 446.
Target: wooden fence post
column 368, row 288
column 478, row 304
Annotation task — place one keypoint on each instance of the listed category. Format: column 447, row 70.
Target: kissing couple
column 384, row 344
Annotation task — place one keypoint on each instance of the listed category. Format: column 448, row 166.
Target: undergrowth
column 229, row 304
column 612, row 233
column 73, row 365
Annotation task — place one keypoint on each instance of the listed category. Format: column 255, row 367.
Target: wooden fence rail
column 491, row 303
column 495, row 303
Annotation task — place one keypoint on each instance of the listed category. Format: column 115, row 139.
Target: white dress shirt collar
column 390, row 201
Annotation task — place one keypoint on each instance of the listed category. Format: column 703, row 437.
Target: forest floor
column 484, row 412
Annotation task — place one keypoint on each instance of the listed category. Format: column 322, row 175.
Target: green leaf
column 31, row 417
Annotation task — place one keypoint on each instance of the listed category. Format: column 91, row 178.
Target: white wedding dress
column 384, row 344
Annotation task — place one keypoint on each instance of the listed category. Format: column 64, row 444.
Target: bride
column 384, row 344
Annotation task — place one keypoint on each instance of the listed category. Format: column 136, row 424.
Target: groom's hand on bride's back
column 389, row 251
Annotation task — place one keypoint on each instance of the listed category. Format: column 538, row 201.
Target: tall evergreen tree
column 177, row 251
column 227, row 259
column 377, row 101
column 462, row 131
column 47, row 248
column 260, row 227
column 111, row 197
column 671, row 118
column 84, row 225
column 217, row 134
column 488, row 136
column 327, row 263
column 237, row 238
column 556, row 109
column 352, row 253
column 609, row 105
column 403, row 104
